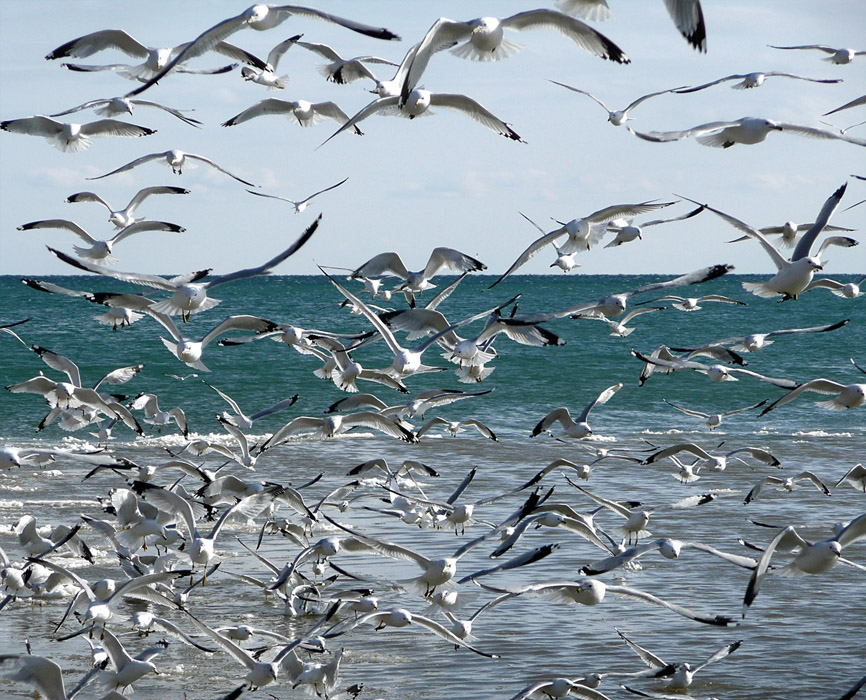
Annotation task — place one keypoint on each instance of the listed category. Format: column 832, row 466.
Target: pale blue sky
column 442, row 180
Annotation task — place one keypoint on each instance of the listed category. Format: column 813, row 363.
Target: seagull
column 189, row 296
column 746, row 130
column 301, row 204
column 126, row 216
column 789, row 231
column 455, row 427
column 574, row 429
column 618, row 117
column 715, row 462
column 753, row 80
column 440, row 259
column 343, row 70
column 840, row 57
column 714, row 420
column 794, row 275
column 267, row 76
column 190, row 351
column 582, row 233
column 757, row 341
column 680, row 675
column 844, row 395
column 626, row 231
column 334, row 425
column 72, row 137
column 694, row 303
column 788, row 484
column 153, row 414
column 418, row 103
column 306, row 113
column 686, row 14
column 127, row 669
column 177, row 160
column 618, row 327
column 115, row 106
column 562, row 688
column 812, row 558
column 615, row 304
column 716, row 373
column 846, row 290
column 101, row 249
column 259, row 17
column 400, row 617
column 592, row 591
column 155, row 59
column 485, row 40
column 239, row 419
column 668, row 548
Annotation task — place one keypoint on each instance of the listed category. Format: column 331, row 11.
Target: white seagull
column 485, row 40
column 753, row 80
column 440, row 259
column 582, row 233
column 177, row 160
column 713, row 420
column 788, row 484
column 840, row 57
column 717, row 462
column 343, row 70
column 155, row 59
column 299, row 205
column 618, row 117
column 114, row 106
column 190, row 296
column 125, row 216
column 306, row 113
column 101, row 249
column 844, row 395
column 746, row 130
column 72, row 137
column 574, row 429
column 418, row 103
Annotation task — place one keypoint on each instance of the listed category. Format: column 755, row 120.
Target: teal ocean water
column 805, row 635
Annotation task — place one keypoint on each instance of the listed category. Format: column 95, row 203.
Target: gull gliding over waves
column 615, row 304
column 440, row 259
column 794, row 275
column 574, row 429
column 101, row 249
column 788, row 484
column 714, row 420
column 812, row 558
column 189, row 296
column 582, row 233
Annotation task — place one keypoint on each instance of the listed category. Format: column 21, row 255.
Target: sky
column 441, row 180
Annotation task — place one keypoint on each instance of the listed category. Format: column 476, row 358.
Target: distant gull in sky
column 618, row 117
column 753, row 80
column 177, row 160
column 306, row 113
column 114, row 106
column 838, row 56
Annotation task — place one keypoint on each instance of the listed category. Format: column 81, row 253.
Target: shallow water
column 805, row 635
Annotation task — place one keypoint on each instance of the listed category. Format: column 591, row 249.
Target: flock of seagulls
column 164, row 521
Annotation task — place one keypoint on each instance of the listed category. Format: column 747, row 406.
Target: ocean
column 804, row 637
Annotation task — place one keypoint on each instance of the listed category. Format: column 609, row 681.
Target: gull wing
column 60, row 224
column 805, row 243
column 466, row 105
column 602, row 398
